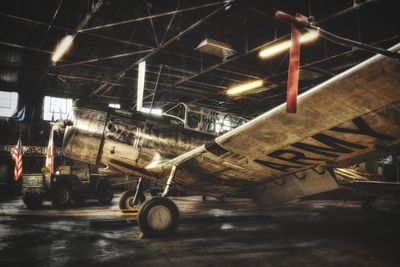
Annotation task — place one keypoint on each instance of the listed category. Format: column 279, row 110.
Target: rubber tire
column 130, row 194
column 61, row 188
column 105, row 193
column 144, row 209
column 32, row 202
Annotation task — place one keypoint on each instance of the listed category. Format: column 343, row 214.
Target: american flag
column 16, row 155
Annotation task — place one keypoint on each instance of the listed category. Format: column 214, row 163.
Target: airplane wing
column 278, row 156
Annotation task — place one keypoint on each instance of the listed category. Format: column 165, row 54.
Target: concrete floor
column 212, row 233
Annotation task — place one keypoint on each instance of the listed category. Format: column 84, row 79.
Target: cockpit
column 204, row 119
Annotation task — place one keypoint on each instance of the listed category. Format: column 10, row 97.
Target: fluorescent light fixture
column 62, row 48
column 156, row 111
column 140, row 85
column 245, row 87
column 114, row 105
column 280, row 47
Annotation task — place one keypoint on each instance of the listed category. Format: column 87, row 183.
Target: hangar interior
column 194, row 52
column 113, row 37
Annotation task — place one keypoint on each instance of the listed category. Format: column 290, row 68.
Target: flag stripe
column 17, row 157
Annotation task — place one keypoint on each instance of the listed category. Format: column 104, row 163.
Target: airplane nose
column 84, row 134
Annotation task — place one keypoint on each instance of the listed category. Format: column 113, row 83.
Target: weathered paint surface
column 126, row 142
column 350, row 117
column 345, row 120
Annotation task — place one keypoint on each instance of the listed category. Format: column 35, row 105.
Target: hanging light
column 283, row 46
column 244, row 87
column 62, row 48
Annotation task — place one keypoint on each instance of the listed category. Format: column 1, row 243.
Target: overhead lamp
column 244, row 87
column 280, row 47
column 62, row 48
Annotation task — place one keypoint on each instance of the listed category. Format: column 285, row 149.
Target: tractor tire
column 105, row 193
column 61, row 196
column 32, row 202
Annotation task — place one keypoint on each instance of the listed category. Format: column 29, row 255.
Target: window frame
column 56, row 113
column 15, row 111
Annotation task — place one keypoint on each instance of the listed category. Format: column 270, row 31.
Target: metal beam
column 217, row 66
column 104, row 58
column 345, row 11
column 176, row 37
column 83, row 23
column 155, row 88
column 153, row 16
column 31, row 22
column 152, row 23
column 50, row 25
column 170, row 23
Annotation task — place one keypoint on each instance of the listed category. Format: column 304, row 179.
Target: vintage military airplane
column 273, row 158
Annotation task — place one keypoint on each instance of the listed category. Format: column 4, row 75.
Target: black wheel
column 105, row 193
column 126, row 201
column 61, row 196
column 158, row 217
column 32, row 202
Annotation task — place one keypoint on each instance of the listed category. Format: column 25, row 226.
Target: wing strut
column 169, row 181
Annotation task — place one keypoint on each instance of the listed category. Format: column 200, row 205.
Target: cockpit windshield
column 205, row 119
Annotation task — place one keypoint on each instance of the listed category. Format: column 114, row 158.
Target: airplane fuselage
column 127, row 141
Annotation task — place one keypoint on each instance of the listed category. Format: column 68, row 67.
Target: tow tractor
column 70, row 183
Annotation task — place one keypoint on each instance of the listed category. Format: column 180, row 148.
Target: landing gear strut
column 159, row 216
column 131, row 199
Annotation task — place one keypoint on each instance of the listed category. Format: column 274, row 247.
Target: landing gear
column 158, row 217
column 127, row 201
column 131, row 199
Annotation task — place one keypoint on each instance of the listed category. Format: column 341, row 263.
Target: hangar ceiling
column 114, row 36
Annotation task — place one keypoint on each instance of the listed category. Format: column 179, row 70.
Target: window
column 223, row 125
column 114, row 105
column 177, row 111
column 156, row 111
column 55, row 108
column 8, row 103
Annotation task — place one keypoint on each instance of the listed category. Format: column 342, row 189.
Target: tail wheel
column 105, row 193
column 126, row 202
column 32, row 202
column 61, row 196
column 158, row 217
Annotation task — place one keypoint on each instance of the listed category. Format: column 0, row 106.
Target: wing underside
column 275, row 157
